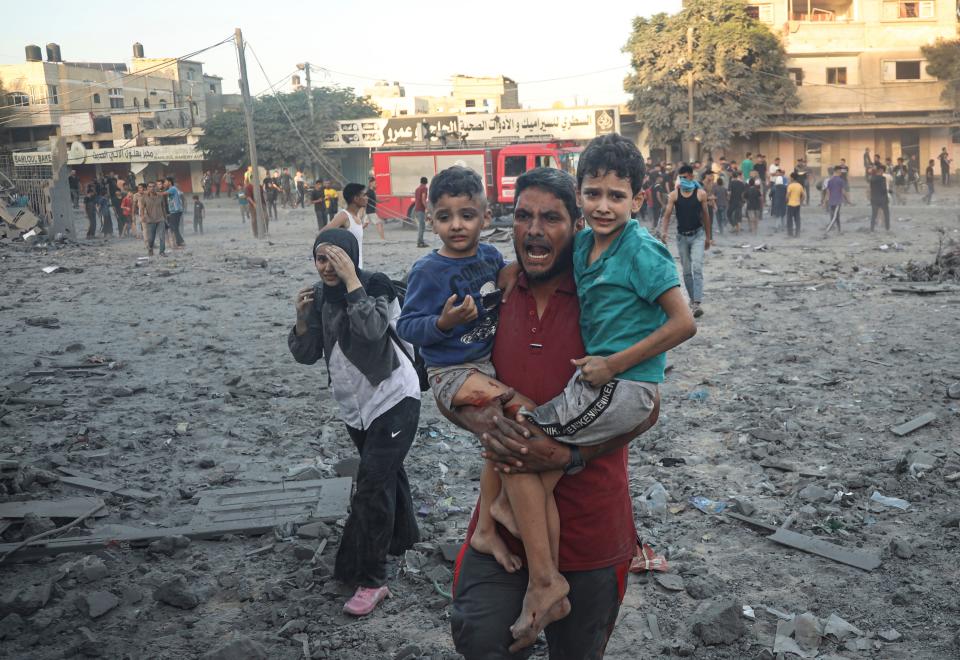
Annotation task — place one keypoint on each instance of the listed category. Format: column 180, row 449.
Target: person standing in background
column 420, row 210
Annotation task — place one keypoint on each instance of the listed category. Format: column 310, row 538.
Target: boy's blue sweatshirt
column 432, row 280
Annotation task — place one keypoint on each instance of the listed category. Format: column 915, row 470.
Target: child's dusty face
column 607, row 202
column 458, row 222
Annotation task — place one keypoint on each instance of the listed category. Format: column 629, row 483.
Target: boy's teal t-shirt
column 618, row 295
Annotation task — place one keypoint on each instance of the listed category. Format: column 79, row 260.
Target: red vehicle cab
column 398, row 173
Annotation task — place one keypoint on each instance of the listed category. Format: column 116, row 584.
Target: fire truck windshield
column 569, row 161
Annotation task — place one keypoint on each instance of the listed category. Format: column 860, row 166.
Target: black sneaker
column 697, row 310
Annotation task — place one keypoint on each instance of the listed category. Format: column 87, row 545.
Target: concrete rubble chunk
column 889, row 635
column 175, row 592
column 718, row 621
column 815, row 493
column 10, row 626
column 241, row 647
column 314, row 530
column 26, row 601
column 168, row 545
column 98, row 603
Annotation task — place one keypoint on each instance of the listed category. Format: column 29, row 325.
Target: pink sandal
column 365, row 600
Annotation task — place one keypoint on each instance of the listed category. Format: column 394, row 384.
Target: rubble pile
column 944, row 267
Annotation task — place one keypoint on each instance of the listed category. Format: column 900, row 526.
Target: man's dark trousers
column 487, row 601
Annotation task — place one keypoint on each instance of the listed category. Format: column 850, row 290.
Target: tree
column 943, row 62
column 278, row 144
column 740, row 76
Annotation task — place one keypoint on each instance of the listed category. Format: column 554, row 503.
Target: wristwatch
column 576, row 464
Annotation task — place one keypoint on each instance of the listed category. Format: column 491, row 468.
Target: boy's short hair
column 612, row 153
column 423, row 179
column 172, row 180
column 456, row 181
column 351, row 190
column 685, row 169
column 557, row 182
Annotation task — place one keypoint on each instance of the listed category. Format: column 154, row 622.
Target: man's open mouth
column 537, row 252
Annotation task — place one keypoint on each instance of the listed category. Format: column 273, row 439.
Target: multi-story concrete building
column 393, row 101
column 153, row 102
column 861, row 79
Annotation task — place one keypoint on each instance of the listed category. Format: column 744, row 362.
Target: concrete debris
column 718, row 622
column 168, row 545
column 97, row 603
column 175, row 592
column 235, row 649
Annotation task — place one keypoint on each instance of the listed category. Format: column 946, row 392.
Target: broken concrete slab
column 314, row 530
column 85, row 481
column 914, row 424
column 325, row 500
column 857, row 558
column 68, row 508
column 669, row 581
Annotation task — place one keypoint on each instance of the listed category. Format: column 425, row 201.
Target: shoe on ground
column 365, row 600
column 697, row 310
column 422, row 245
column 149, row 253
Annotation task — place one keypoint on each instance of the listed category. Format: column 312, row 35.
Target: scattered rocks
column 242, row 647
column 902, row 548
column 702, row 587
column 742, row 506
column 408, row 652
column 168, row 545
column 815, row 493
column 889, row 635
column 89, row 569
column 718, row 622
column 303, row 552
column 953, row 391
column 34, row 524
column 175, row 592
column 314, row 530
column 951, row 519
column 669, row 581
column 10, row 626
column 26, row 601
column 98, row 603
column 206, row 463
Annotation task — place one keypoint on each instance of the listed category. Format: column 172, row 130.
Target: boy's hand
column 454, row 315
column 594, row 370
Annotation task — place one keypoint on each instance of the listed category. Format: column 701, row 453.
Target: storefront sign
column 159, row 154
column 513, row 125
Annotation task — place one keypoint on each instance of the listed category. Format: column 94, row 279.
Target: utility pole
column 306, row 73
column 691, row 144
column 260, row 224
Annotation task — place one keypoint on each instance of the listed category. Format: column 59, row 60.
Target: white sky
column 412, row 42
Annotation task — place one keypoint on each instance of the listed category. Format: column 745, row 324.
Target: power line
column 324, row 162
column 477, row 84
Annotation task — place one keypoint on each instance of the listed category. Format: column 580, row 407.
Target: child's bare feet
column 501, row 512
column 542, row 605
column 489, row 543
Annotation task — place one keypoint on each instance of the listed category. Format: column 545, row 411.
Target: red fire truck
column 398, row 172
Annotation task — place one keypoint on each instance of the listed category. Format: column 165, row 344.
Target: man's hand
column 595, row 371
column 454, row 315
column 534, row 452
column 707, row 243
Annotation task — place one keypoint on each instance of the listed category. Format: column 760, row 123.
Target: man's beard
column 562, row 264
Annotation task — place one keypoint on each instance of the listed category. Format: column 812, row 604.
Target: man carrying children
column 564, row 478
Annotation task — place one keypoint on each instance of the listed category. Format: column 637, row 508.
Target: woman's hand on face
column 342, row 264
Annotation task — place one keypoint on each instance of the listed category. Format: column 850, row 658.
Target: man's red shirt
column 533, row 355
column 420, row 198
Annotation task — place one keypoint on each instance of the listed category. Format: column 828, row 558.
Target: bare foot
column 501, row 512
column 542, row 605
column 557, row 612
column 490, row 543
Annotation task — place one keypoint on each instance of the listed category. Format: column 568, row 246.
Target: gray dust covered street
column 149, row 383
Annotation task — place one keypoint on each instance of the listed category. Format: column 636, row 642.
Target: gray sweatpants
column 447, row 381
column 583, row 415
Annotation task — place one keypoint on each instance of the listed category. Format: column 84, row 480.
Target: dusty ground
column 803, row 339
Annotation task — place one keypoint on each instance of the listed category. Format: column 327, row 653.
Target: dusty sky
column 553, row 52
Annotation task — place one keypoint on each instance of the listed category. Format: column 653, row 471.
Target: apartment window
column 116, row 103
column 905, row 9
column 837, row 75
column 470, row 103
column 213, row 89
column 904, row 70
column 19, row 99
column 821, row 11
column 761, row 12
column 909, row 70
column 797, row 75
column 128, row 131
column 163, row 104
column 52, row 97
column 189, row 74
column 96, row 99
column 146, row 103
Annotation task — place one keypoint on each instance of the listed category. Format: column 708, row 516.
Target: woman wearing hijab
column 347, row 319
column 778, row 200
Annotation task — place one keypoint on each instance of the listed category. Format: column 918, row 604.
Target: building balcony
column 803, row 37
